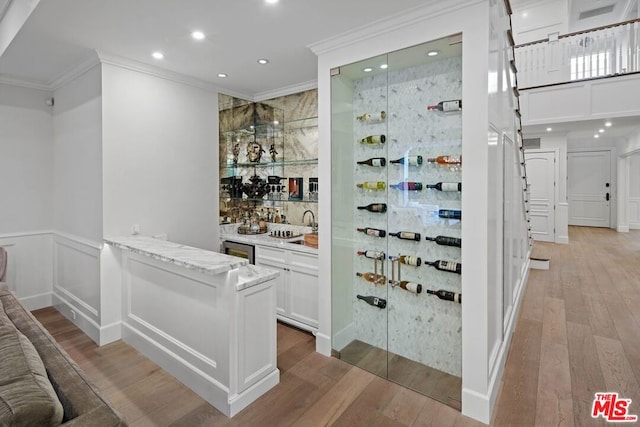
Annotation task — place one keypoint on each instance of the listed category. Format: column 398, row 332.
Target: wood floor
column 578, row 333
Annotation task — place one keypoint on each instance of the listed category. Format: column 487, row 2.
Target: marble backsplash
column 420, row 327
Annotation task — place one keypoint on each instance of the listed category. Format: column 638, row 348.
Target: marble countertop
column 201, row 260
column 251, row 275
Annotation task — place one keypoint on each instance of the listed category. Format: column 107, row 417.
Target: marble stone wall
column 420, row 327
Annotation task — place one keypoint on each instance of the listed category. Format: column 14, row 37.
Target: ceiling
column 60, row 34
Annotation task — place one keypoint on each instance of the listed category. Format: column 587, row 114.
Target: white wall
column 628, row 182
column 77, row 178
column 26, row 154
column 26, row 170
column 537, row 20
column 77, row 206
column 160, row 153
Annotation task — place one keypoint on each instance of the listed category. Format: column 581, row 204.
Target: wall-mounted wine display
column 397, row 203
column 410, row 198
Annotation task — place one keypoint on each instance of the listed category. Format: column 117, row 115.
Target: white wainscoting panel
column 76, row 282
column 220, row 342
column 29, row 266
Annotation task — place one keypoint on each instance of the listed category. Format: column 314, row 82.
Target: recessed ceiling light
column 433, row 53
column 549, row 129
column 608, row 124
column 198, row 35
column 601, row 130
column 271, row 1
column 157, row 55
column 596, row 136
column 384, row 66
column 222, row 75
column 263, row 61
column 525, row 14
column 368, row 70
column 275, row 122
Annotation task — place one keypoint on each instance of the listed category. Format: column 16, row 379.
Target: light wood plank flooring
column 578, row 332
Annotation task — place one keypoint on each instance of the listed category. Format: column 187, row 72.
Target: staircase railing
column 599, row 52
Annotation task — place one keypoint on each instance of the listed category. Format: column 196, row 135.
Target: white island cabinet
column 207, row 318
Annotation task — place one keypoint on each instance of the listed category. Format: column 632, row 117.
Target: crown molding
column 73, row 73
column 287, row 90
column 389, row 24
column 12, row 81
column 162, row 73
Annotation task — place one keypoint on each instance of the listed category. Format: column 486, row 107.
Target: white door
column 541, row 175
column 589, row 188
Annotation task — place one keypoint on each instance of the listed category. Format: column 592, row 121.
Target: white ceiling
column 63, row 33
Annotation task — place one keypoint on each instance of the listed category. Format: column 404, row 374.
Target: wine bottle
column 372, row 185
column 374, row 161
column 446, row 241
column 409, row 160
column 446, row 160
column 375, row 207
column 446, row 186
column 373, row 117
column 373, row 139
column 375, row 232
column 408, row 260
column 372, row 254
column 416, row 288
column 374, row 301
column 407, row 185
column 406, row 235
column 450, row 266
column 447, row 295
column 376, row 279
column 447, row 106
column 450, row 213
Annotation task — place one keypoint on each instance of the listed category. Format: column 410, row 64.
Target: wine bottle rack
column 421, row 326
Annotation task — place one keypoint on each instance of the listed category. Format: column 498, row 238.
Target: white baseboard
column 344, row 337
column 476, row 406
column 563, row 240
column 240, row 401
column 297, row 324
column 81, row 320
column 202, row 384
column 323, row 344
column 110, row 333
column 36, row 302
column 622, row 229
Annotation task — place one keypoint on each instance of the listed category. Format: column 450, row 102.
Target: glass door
column 396, row 161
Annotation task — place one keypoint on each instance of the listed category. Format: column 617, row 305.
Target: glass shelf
column 269, row 164
column 273, row 200
column 306, row 122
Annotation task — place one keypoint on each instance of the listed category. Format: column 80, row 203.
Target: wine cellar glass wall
column 396, row 271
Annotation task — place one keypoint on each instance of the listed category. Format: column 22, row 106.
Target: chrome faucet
column 313, row 224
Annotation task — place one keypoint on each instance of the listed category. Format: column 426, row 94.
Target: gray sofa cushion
column 26, row 395
column 83, row 405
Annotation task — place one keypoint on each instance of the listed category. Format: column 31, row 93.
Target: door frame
column 556, row 188
column 613, row 172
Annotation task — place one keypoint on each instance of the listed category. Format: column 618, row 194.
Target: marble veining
column 200, row 260
column 251, row 275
